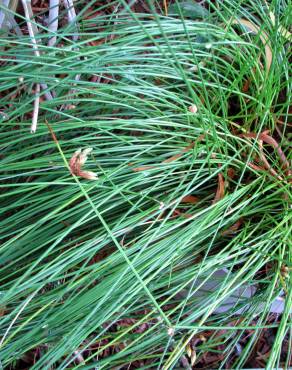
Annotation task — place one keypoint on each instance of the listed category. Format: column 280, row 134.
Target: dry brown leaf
column 232, row 229
column 190, row 199
column 220, row 189
column 231, row 173
column 246, row 86
column 176, row 212
column 143, row 168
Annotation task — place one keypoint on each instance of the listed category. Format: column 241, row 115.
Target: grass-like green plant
column 179, row 109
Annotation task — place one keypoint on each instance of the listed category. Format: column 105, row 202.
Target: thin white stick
column 53, row 27
column 71, row 13
column 48, row 94
column 36, row 107
column 53, row 20
column 71, row 16
column 32, row 30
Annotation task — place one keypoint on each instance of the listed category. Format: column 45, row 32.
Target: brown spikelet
column 77, row 161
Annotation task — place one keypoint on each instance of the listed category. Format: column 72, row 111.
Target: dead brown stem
column 271, row 141
column 220, row 189
column 266, row 162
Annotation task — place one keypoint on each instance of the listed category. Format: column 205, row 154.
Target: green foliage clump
column 188, row 120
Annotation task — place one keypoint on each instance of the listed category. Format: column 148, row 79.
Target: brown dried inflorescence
column 77, row 161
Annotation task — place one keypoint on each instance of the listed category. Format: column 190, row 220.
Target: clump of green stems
column 80, row 257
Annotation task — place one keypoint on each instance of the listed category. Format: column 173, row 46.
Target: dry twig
column 271, row 141
column 35, row 109
column 53, row 20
